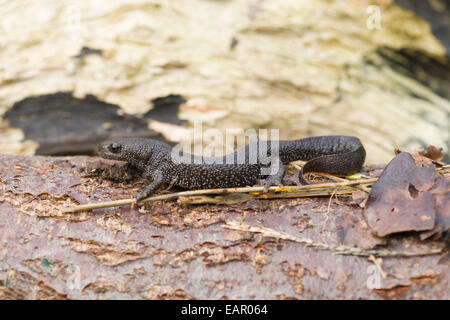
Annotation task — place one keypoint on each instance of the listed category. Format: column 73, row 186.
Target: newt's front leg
column 158, row 179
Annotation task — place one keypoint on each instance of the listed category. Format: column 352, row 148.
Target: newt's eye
column 114, row 147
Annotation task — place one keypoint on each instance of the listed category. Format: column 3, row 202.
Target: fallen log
column 172, row 250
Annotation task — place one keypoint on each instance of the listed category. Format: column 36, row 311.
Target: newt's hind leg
column 276, row 178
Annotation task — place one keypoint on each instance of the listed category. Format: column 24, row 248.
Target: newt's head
column 130, row 149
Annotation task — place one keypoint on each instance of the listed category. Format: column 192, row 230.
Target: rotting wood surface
column 177, row 251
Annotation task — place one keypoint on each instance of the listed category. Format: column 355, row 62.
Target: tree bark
column 168, row 250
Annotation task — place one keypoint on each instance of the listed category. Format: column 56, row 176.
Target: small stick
column 339, row 249
column 287, row 189
column 175, row 195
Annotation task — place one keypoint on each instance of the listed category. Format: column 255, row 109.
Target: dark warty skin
column 340, row 155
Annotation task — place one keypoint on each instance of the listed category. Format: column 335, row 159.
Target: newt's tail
column 338, row 163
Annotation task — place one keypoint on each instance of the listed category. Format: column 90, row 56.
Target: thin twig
column 344, row 250
column 274, row 192
column 319, row 189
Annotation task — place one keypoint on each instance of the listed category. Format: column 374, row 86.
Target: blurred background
column 73, row 73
